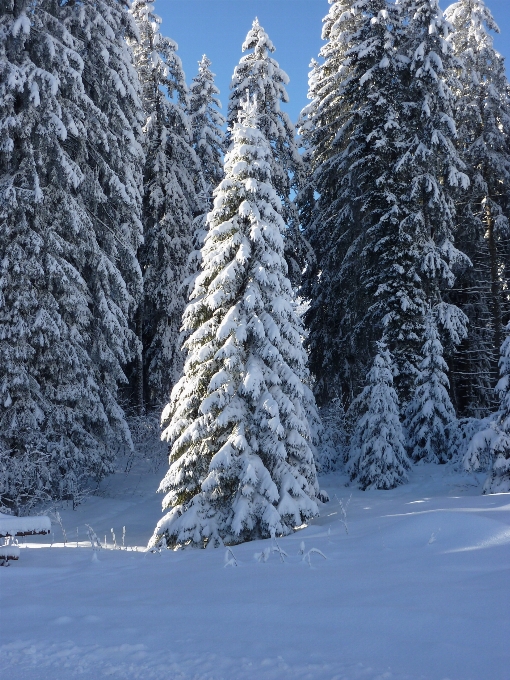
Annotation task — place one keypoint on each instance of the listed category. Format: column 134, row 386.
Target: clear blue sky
column 218, row 28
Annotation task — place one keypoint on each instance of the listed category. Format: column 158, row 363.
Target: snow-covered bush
column 468, row 445
column 332, row 449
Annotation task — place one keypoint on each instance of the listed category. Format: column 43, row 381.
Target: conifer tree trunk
column 139, row 362
column 495, row 277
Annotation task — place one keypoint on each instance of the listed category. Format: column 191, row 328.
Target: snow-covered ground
column 419, row 589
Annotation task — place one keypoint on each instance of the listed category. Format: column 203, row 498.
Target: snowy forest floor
column 418, row 589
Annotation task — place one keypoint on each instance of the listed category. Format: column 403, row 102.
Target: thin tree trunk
column 495, row 283
column 139, row 361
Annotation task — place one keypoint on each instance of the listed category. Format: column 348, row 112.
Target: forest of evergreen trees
column 292, row 298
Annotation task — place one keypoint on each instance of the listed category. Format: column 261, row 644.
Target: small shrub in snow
column 230, row 558
column 307, row 555
column 469, row 442
column 273, row 548
column 95, row 543
column 332, row 451
column 343, row 511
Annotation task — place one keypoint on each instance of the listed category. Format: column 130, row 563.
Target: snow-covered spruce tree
column 430, row 410
column 331, row 224
column 498, row 479
column 377, row 457
column 381, row 121
column 174, row 193
column 389, row 253
column 483, row 121
column 208, row 139
column 65, row 305
column 368, row 260
column 207, row 124
column 366, row 270
column 112, row 159
column 430, row 172
column 241, row 462
column 258, row 72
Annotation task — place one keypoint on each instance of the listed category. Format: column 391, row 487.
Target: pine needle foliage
column 380, row 141
column 207, row 123
column 430, row 411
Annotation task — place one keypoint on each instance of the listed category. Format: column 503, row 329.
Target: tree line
column 125, row 201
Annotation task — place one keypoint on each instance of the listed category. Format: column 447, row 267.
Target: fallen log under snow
column 8, row 552
column 24, row 526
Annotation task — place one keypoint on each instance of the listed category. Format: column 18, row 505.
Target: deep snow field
column 418, row 589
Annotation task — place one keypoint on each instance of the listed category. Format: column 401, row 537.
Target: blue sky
column 218, row 28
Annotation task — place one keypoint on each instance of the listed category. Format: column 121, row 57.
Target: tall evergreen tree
column 430, row 170
column 241, row 462
column 483, row 120
column 258, row 72
column 331, row 223
column 392, row 256
column 378, row 459
column 69, row 279
column 430, row 411
column 208, row 138
column 381, row 120
column 206, row 124
column 174, row 194
column 112, row 157
column 367, row 259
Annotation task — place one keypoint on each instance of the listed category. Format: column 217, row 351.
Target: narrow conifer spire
column 261, row 74
column 238, row 422
column 206, row 122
